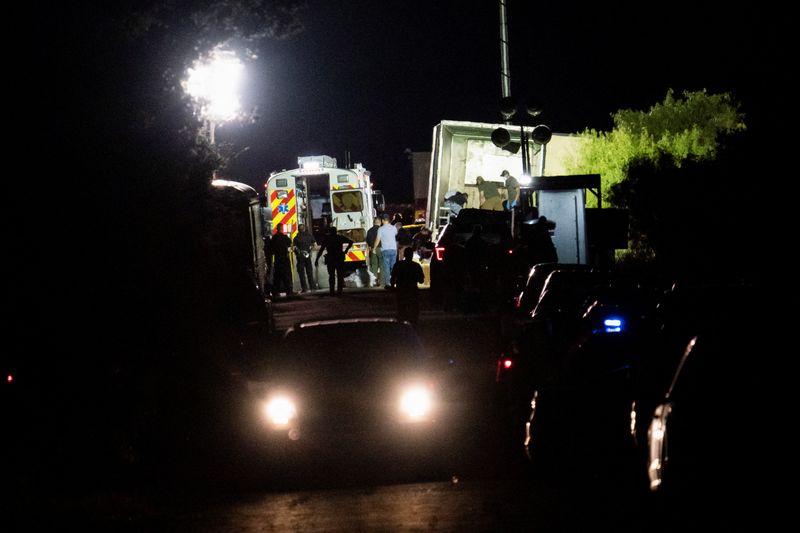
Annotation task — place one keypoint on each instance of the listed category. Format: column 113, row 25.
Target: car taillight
column 503, row 363
column 439, row 250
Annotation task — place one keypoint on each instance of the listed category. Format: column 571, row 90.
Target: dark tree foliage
column 700, row 221
column 112, row 283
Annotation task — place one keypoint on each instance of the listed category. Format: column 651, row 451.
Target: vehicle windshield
column 347, row 201
column 339, row 350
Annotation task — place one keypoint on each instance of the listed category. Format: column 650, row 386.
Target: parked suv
column 466, row 272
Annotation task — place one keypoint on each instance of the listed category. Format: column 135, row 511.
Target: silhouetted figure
column 421, row 243
column 455, row 264
column 540, row 246
column 279, row 249
column 476, row 250
column 269, row 279
column 406, row 274
column 489, row 195
column 336, row 247
column 375, row 256
column 403, row 239
column 303, row 244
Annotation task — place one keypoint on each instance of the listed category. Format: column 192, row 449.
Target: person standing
column 421, row 243
column 406, row 275
column 512, row 188
column 489, row 195
column 336, row 247
column 374, row 252
column 541, row 244
column 387, row 240
column 279, row 248
column 403, row 239
column 303, row 244
column 270, row 273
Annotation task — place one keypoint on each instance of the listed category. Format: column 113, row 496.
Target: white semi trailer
column 462, row 151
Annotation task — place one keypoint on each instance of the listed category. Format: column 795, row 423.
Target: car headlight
column 416, row 402
column 280, row 410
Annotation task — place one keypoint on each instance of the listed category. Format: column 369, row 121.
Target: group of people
column 489, row 192
column 489, row 195
column 390, row 254
column 389, row 235
column 386, row 241
column 333, row 249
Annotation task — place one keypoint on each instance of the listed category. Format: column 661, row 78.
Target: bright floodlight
column 280, row 411
column 214, row 82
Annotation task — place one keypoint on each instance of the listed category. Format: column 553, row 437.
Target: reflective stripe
column 356, row 255
column 284, row 211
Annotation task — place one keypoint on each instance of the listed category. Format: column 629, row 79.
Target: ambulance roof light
column 315, row 162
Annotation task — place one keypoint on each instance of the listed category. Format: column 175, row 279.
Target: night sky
column 373, row 78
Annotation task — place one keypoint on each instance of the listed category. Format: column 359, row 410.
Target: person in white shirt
column 387, row 240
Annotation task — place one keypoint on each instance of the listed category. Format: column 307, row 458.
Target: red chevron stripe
column 274, row 196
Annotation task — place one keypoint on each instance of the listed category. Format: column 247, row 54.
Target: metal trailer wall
column 566, row 209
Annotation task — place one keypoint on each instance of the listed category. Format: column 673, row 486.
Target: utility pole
column 540, row 135
column 505, row 72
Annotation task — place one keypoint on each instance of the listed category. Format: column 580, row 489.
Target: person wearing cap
column 512, row 188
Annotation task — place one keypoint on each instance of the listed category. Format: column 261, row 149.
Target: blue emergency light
column 613, row 325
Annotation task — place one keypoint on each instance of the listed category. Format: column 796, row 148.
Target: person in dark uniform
column 406, row 274
column 476, row 252
column 282, row 274
column 269, row 280
column 421, row 243
column 403, row 239
column 336, row 247
column 375, row 256
column 542, row 249
column 303, row 243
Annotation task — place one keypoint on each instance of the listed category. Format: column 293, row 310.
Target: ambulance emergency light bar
column 316, row 162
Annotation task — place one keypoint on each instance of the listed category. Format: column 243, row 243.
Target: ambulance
column 319, row 194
